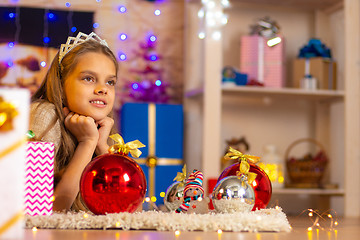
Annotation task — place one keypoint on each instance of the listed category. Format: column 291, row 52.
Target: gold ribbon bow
column 181, row 176
column 244, row 160
column 125, row 148
column 7, row 113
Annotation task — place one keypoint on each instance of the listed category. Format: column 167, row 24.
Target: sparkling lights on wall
column 212, row 18
column 52, row 17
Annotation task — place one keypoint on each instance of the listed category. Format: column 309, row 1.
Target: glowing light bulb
column 158, row 83
column 153, row 57
column 135, row 86
column 225, row 3
column 157, row 12
column 12, row 15
column 73, row 29
column 122, row 56
column 211, row 22
column 201, row 13
column 211, row 4
column 216, row 35
column 122, row 9
column 46, row 39
column 96, row 25
column 201, row 35
column 177, row 233
column 152, row 38
column 123, row 36
column 11, row 44
column 153, row 199
column 67, row 4
column 10, row 63
column 147, row 199
column 224, row 20
column 162, row 194
column 51, row 15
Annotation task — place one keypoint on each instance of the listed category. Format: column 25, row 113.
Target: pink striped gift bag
column 39, row 178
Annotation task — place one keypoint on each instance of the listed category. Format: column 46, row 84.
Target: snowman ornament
column 194, row 201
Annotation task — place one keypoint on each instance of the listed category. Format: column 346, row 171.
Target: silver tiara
column 75, row 41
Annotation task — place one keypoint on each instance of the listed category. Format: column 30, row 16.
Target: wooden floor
column 347, row 229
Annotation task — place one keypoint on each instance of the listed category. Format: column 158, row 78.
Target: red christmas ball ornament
column 112, row 183
column 261, row 184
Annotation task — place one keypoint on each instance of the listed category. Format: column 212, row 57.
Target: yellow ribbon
column 12, row 147
column 181, row 176
column 244, row 160
column 8, row 224
column 125, row 148
column 7, row 113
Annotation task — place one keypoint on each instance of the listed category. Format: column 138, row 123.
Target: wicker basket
column 305, row 171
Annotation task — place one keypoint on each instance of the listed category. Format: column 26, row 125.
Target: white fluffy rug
column 269, row 220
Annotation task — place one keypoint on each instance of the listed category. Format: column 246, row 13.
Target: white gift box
column 12, row 161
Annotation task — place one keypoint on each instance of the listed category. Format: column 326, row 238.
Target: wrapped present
column 315, row 61
column 39, row 178
column 322, row 69
column 14, row 118
column 160, row 128
column 262, row 63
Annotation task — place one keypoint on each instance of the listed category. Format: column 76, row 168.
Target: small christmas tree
column 147, row 84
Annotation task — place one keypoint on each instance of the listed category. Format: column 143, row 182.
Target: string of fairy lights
column 210, row 16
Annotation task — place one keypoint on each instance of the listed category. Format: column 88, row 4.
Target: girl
column 73, row 109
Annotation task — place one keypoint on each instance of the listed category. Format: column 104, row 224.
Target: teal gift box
column 160, row 128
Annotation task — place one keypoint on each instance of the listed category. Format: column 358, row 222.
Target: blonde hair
column 52, row 90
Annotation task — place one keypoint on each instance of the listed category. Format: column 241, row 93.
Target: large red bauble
column 112, row 183
column 262, row 184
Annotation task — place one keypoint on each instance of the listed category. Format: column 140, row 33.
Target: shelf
column 302, row 4
column 308, row 191
column 251, row 91
column 320, row 94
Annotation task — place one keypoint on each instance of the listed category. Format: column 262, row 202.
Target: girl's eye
column 89, row 79
column 111, row 82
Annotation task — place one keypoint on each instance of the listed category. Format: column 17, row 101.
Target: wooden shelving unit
column 334, row 114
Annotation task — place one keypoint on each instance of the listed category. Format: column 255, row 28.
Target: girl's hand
column 104, row 128
column 82, row 127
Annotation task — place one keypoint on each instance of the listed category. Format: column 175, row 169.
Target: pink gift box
column 263, row 63
column 39, row 178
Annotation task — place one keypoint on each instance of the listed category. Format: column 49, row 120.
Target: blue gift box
column 160, row 128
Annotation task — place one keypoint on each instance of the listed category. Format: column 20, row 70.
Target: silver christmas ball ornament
column 174, row 196
column 233, row 194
